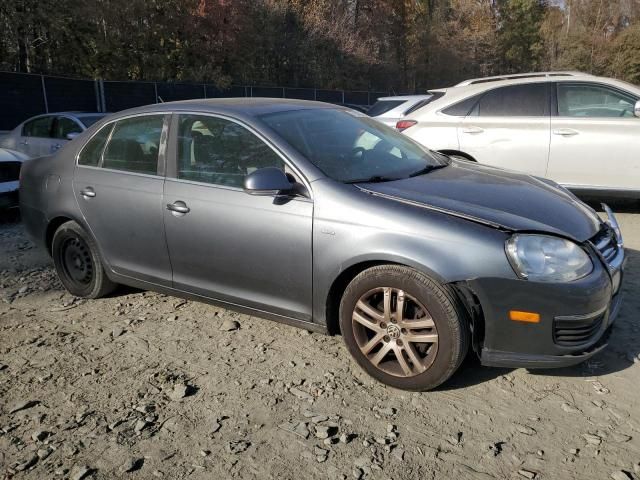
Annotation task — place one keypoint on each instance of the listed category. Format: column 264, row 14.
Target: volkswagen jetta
column 320, row 217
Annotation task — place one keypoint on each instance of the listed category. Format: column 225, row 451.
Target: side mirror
column 636, row 109
column 72, row 135
column 267, row 181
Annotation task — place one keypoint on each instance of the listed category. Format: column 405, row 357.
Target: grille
column 9, row 171
column 605, row 242
column 574, row 332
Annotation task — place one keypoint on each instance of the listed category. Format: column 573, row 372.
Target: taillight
column 404, row 124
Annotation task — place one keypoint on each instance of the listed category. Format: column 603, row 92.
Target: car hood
column 495, row 197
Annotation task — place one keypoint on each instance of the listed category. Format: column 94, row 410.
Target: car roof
column 405, row 97
column 252, row 107
column 542, row 76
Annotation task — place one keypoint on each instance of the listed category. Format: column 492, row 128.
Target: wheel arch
column 52, row 226
column 459, row 154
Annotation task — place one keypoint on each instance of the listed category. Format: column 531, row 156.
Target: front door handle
column 472, row 130
column 565, row 132
column 88, row 192
column 55, row 147
column 178, row 207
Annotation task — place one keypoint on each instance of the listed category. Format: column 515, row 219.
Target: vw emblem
column 393, row 331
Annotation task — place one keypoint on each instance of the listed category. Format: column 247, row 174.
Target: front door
column 253, row 251
column 509, row 128
column 595, row 138
column 119, row 189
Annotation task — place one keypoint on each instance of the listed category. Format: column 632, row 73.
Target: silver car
column 45, row 134
column 321, row 217
column 391, row 110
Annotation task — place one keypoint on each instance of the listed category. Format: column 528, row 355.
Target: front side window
column 350, row 147
column 134, row 145
column 593, row 101
column 92, row 151
column 63, row 126
column 39, row 127
column 221, row 152
column 515, row 101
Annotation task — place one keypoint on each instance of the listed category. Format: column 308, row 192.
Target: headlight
column 544, row 258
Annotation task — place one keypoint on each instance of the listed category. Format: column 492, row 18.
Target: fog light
column 528, row 317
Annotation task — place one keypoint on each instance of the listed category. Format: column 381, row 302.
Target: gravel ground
column 142, row 385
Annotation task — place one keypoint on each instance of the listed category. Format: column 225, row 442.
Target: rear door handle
column 472, row 130
column 565, row 132
column 88, row 192
column 178, row 207
column 55, row 147
column 24, row 142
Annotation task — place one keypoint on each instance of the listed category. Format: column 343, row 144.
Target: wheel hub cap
column 395, row 332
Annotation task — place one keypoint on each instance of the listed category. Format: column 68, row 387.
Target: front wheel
column 78, row 264
column 402, row 328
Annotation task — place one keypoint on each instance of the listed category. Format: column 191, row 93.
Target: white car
column 579, row 130
column 45, row 134
column 389, row 110
column 10, row 164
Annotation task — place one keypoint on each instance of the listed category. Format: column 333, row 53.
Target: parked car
column 579, row 130
column 390, row 110
column 10, row 163
column 323, row 218
column 45, row 134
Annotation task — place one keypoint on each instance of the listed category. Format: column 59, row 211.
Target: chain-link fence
column 24, row 95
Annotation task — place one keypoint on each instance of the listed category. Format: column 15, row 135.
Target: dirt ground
column 142, row 385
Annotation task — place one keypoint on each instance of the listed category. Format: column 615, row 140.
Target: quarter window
column 39, row 127
column 134, row 145
column 593, row 101
column 462, row 109
column 220, row 152
column 515, row 101
column 92, row 151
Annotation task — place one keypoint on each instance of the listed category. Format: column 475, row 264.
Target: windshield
column 351, row 147
column 88, row 120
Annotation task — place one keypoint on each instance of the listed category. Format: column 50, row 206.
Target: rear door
column 225, row 244
column 63, row 126
column 36, row 136
column 595, row 137
column 509, row 128
column 118, row 184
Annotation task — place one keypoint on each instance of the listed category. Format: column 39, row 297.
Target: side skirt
column 294, row 322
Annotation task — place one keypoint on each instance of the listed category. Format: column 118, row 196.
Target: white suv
column 579, row 130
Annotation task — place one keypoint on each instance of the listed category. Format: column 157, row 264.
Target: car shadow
column 622, row 352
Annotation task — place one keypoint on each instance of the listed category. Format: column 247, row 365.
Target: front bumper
column 9, row 200
column 576, row 318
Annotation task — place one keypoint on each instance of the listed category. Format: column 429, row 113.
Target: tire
column 429, row 313
column 78, row 263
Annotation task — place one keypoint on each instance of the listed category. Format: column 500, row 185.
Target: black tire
column 442, row 308
column 78, row 263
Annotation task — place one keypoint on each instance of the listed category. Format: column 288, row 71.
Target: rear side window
column 39, row 127
column 92, row 151
column 383, row 106
column 422, row 103
column 462, row 109
column 134, row 145
column 515, row 101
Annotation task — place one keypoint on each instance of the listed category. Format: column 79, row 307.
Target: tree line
column 398, row 45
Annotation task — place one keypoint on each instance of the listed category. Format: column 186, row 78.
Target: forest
column 395, row 45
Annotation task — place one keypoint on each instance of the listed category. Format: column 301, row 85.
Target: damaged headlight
column 543, row 258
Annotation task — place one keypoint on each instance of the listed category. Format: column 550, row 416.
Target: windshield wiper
column 427, row 169
column 374, row 179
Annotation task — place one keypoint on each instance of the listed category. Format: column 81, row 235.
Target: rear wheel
column 403, row 328
column 77, row 261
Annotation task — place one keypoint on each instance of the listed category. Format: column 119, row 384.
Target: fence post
column 155, row 90
column 342, row 96
column 204, row 89
column 102, row 97
column 44, row 94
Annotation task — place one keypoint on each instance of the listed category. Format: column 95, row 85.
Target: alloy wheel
column 395, row 332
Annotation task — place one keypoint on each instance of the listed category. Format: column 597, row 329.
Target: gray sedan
column 322, row 218
column 45, row 134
